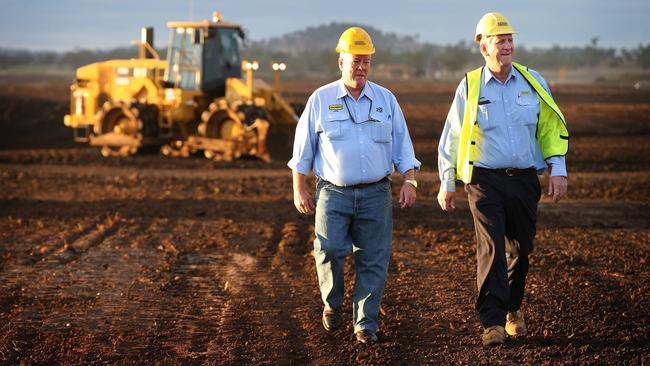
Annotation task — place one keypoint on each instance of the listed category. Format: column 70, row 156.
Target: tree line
column 309, row 52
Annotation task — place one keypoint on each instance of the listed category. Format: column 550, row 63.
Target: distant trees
column 65, row 60
column 643, row 56
column 311, row 52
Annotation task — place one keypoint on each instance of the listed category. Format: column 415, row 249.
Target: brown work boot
column 332, row 319
column 493, row 336
column 515, row 323
column 366, row 336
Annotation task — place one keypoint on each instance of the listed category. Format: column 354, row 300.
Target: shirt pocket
column 382, row 128
column 487, row 114
column 335, row 125
column 526, row 98
column 528, row 104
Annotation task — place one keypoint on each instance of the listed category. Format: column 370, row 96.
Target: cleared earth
column 153, row 260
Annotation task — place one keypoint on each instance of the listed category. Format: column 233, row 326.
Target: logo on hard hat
column 503, row 24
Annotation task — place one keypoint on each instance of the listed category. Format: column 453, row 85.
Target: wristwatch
column 412, row 182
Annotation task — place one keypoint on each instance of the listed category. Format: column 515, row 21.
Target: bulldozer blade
column 114, row 139
column 207, row 143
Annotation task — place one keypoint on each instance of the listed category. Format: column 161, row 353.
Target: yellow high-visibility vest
column 552, row 132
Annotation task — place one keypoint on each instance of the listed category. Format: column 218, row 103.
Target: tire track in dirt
column 58, row 243
column 98, row 273
column 55, row 279
column 24, row 275
column 83, row 243
column 260, row 315
column 301, row 305
column 190, row 301
column 122, row 274
column 21, row 240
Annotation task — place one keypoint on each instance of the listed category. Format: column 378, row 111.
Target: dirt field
column 153, row 260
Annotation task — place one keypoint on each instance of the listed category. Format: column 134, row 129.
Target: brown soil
column 152, row 260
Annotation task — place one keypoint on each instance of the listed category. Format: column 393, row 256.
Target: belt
column 362, row 185
column 509, row 171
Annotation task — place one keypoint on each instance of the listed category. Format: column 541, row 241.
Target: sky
column 62, row 25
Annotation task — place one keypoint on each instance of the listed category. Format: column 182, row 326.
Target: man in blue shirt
column 352, row 134
column 502, row 130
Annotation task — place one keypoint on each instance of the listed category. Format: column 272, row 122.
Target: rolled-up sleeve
column 304, row 143
column 403, row 154
column 448, row 145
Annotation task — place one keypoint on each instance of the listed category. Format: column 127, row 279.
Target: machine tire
column 121, row 118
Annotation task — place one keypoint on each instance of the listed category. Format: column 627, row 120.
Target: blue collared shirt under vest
column 347, row 141
column 507, row 117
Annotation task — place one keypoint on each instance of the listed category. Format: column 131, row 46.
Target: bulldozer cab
column 202, row 55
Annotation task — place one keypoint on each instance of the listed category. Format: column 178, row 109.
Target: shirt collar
column 487, row 75
column 367, row 90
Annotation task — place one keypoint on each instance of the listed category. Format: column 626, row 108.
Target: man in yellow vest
column 503, row 130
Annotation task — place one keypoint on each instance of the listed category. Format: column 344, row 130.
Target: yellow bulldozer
column 202, row 98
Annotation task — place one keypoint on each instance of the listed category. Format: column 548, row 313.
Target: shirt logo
column 525, row 92
column 379, row 109
column 336, row 107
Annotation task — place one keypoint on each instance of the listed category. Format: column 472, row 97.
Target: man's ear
column 483, row 48
column 341, row 63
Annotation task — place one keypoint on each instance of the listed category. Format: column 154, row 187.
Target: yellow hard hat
column 492, row 24
column 356, row 41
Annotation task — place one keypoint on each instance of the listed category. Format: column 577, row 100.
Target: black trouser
column 504, row 208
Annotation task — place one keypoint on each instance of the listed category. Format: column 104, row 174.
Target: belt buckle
column 510, row 172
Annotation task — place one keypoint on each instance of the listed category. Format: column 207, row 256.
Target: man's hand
column 301, row 198
column 447, row 201
column 557, row 187
column 303, row 201
column 407, row 195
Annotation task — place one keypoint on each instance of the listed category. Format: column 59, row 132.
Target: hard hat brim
column 477, row 38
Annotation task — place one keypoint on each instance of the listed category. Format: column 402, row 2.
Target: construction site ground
column 155, row 260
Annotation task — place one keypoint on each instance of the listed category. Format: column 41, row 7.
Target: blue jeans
column 358, row 220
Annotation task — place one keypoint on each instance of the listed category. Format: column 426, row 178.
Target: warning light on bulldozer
column 279, row 66
column 216, row 16
column 250, row 65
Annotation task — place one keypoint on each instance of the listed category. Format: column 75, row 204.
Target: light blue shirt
column 507, row 117
column 347, row 141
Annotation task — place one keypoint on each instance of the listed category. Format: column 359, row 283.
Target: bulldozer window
column 184, row 59
column 230, row 48
column 221, row 59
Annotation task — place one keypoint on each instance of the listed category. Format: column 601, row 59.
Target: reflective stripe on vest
column 552, row 132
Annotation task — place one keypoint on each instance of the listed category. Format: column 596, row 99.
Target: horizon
column 70, row 25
